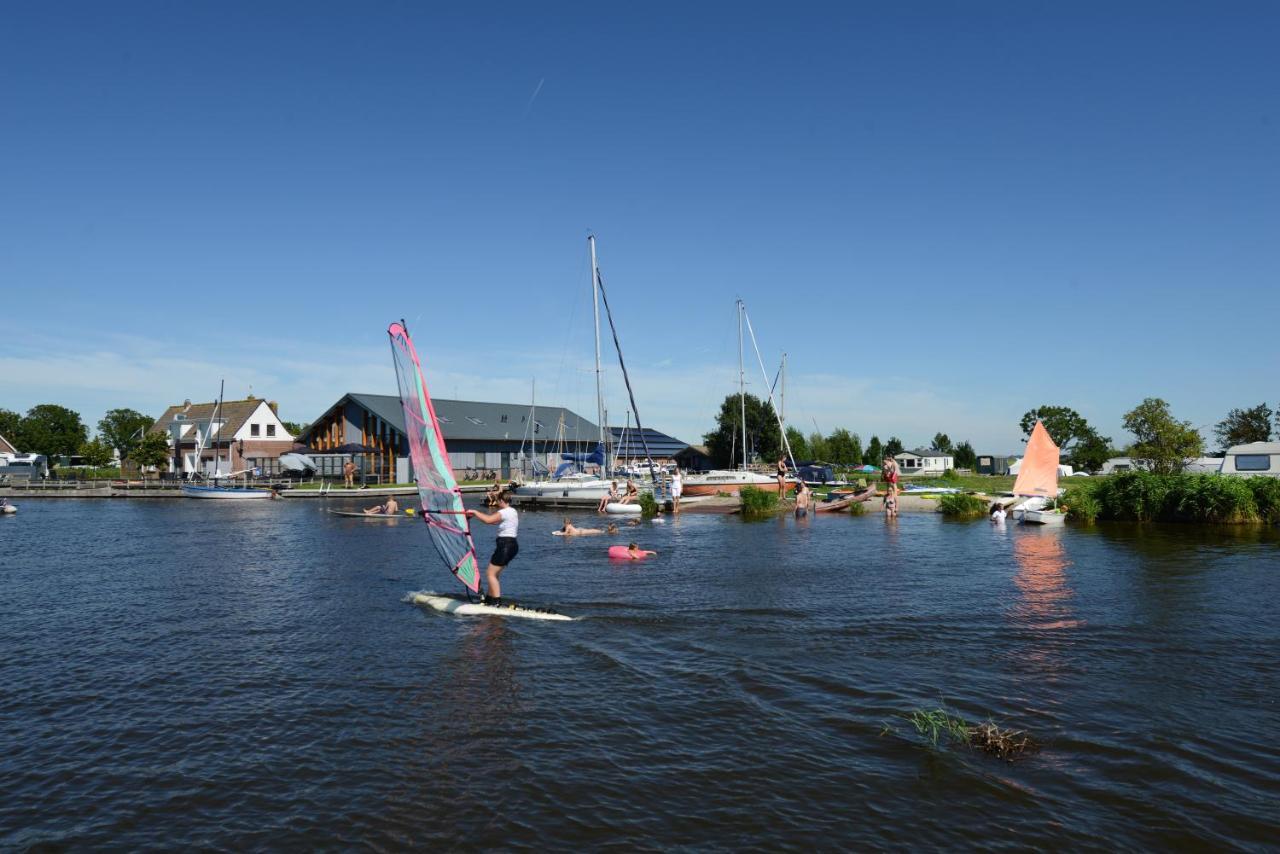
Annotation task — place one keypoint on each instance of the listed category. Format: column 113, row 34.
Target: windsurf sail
column 442, row 508
column 1039, row 472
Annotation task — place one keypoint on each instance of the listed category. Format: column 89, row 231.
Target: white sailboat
column 731, row 481
column 579, row 487
column 192, row 490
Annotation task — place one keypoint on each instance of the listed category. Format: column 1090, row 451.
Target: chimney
column 186, row 404
column 275, row 407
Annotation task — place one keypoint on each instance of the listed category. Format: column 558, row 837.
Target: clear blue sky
column 946, row 213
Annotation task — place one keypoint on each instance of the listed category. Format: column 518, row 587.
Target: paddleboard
column 461, row 607
column 615, row 507
column 383, row 517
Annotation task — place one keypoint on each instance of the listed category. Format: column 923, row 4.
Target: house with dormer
column 246, row 435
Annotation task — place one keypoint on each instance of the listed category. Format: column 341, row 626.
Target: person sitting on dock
column 389, row 508
column 491, row 494
column 608, row 499
column 632, row 493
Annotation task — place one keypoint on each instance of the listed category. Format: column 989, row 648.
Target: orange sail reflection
column 1042, row 581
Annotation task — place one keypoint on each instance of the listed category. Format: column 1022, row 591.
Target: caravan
column 23, row 467
column 1255, row 458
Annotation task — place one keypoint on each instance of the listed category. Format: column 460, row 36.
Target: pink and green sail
column 441, row 499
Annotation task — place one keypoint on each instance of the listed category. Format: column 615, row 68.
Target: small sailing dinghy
column 1038, row 481
column 442, row 507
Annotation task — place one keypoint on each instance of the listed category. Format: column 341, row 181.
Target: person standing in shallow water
column 782, row 477
column 505, row 548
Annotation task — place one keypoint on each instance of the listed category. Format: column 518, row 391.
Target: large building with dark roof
column 482, row 437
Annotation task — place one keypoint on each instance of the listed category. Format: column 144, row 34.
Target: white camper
column 1255, row 458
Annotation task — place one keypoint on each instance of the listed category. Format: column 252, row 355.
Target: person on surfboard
column 505, row 548
column 390, row 508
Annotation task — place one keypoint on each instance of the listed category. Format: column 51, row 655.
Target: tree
column 295, row 428
column 11, row 427
column 1065, row 425
column 1163, row 442
column 799, row 445
column 763, row 437
column 965, row 456
column 874, row 455
column 97, row 453
column 123, row 429
column 53, row 430
column 942, row 442
column 1091, row 452
column 893, row 447
column 818, row 447
column 153, row 450
column 841, row 445
column 1242, row 426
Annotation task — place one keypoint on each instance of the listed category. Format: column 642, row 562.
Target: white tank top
column 509, row 523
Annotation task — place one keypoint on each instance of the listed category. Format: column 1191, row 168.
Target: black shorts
column 504, row 551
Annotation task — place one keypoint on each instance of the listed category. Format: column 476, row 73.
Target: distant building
column 694, row 458
column 924, row 461
column 481, row 437
column 629, row 445
column 1064, row 470
column 248, row 434
column 6, row 447
column 1252, row 459
column 994, row 463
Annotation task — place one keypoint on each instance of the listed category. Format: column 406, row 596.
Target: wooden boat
column 859, row 497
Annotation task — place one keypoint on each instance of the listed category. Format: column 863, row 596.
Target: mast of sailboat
column 217, row 414
column 755, row 346
column 742, row 386
column 595, row 308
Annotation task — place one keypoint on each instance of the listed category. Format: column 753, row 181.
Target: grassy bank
column 1139, row 496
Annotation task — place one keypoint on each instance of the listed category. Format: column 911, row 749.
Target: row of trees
column 841, row 446
column 56, row 431
column 1242, row 426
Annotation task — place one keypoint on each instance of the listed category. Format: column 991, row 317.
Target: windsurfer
column 505, row 548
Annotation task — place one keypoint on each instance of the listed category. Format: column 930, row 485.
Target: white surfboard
column 461, row 607
column 616, row 507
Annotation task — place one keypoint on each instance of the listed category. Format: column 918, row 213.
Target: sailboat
column 192, row 490
column 442, row 507
column 731, row 481
column 571, row 484
column 1038, row 481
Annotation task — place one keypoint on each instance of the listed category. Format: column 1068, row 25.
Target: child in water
column 636, row 552
column 891, row 506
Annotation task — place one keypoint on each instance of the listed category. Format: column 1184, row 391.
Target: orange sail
column 1039, row 472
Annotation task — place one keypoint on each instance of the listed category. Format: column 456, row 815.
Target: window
column 254, row 429
column 504, row 419
column 271, row 429
column 475, row 420
column 1253, row 462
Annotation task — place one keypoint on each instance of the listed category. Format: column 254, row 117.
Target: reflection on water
column 1041, row 580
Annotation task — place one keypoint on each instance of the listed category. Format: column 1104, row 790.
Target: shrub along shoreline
column 1140, row 496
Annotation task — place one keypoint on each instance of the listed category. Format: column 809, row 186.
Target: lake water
column 239, row 676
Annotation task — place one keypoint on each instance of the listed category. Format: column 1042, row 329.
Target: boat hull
column 225, row 493
column 729, row 483
column 1044, row 517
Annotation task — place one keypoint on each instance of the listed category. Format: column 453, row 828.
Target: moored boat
column 234, row 492
column 730, row 483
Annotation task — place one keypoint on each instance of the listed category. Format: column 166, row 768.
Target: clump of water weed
column 942, row 725
column 757, row 503
column 961, row 506
column 648, row 505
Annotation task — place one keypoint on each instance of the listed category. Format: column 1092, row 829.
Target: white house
column 1064, row 470
column 248, row 434
column 922, row 461
column 1255, row 458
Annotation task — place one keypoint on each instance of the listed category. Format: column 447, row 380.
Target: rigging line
column 765, row 374
column 626, row 378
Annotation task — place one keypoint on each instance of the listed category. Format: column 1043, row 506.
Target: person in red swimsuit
column 891, row 475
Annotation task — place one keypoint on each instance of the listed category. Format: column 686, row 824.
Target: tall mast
column 217, row 416
column 782, row 394
column 742, row 388
column 599, row 389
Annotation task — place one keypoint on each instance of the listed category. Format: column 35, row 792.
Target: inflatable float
column 624, row 553
column 617, row 507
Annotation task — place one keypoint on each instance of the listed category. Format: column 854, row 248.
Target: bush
column 951, row 475
column 648, row 505
column 757, row 502
column 1266, row 497
column 960, row 506
column 1142, row 496
column 858, row 508
column 1081, row 502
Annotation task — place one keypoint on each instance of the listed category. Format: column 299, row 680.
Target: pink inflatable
column 624, row 553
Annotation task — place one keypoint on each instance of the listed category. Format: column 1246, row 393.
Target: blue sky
column 945, row 213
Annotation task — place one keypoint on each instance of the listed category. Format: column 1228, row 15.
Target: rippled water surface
column 248, row 675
